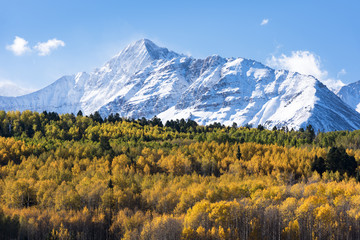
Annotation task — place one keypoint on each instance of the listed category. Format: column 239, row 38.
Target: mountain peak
column 145, row 80
column 147, row 43
column 138, row 55
column 147, row 47
column 143, row 44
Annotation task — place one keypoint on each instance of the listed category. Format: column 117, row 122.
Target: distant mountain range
column 350, row 94
column 145, row 80
column 9, row 89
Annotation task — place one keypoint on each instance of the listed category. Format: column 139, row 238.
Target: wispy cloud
column 342, row 72
column 45, row 48
column 19, row 46
column 304, row 62
column 264, row 22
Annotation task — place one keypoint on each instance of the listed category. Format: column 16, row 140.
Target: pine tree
column 318, row 165
column 96, row 117
column 238, row 153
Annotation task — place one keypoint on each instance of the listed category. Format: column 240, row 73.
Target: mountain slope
column 10, row 89
column 145, row 80
column 248, row 92
column 350, row 94
column 62, row 96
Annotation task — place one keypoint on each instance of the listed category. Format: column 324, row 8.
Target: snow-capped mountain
column 350, row 94
column 145, row 80
column 10, row 89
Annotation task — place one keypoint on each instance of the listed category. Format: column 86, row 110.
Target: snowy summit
column 145, row 80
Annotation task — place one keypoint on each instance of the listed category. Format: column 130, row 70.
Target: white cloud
column 19, row 46
column 264, row 22
column 342, row 72
column 44, row 48
column 304, row 62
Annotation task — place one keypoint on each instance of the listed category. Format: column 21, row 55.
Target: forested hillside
column 84, row 177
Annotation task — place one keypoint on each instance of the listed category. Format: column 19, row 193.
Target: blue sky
column 56, row 38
